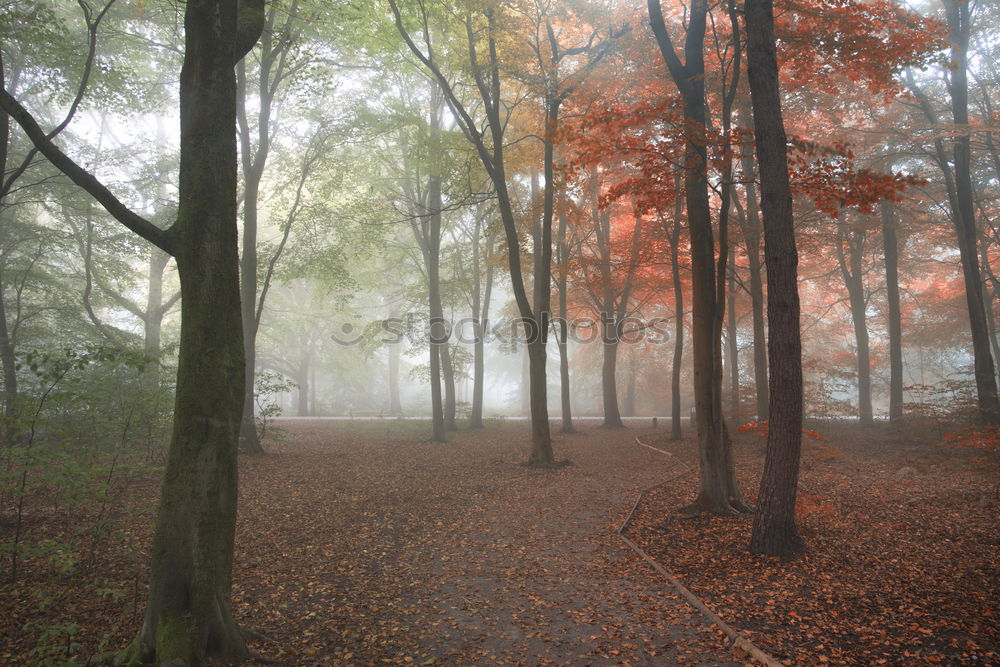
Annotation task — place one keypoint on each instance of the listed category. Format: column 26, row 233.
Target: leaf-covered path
column 362, row 543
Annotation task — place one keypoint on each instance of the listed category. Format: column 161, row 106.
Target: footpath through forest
column 366, row 544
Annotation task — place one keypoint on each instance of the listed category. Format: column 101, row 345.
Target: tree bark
column 395, row 406
column 448, row 378
column 732, row 348
column 9, row 361
column 188, row 618
column 676, row 432
column 609, row 367
column 481, row 313
column 717, row 489
column 628, row 405
column 751, row 226
column 890, row 246
column 489, row 144
column 774, row 529
column 959, row 18
column 852, row 270
column 562, row 333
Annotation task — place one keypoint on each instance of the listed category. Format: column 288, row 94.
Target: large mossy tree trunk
column 774, row 529
column 188, row 618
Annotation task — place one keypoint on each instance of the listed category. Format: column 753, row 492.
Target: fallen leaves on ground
column 902, row 563
column 362, row 543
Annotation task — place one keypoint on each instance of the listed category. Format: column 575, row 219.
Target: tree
column 719, row 490
column 959, row 16
column 851, row 263
column 608, row 265
column 188, row 616
column 481, row 30
column 774, row 529
column 479, row 293
column 275, row 64
column 36, row 23
column 890, row 249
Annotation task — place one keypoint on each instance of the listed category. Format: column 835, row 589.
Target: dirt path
column 363, row 544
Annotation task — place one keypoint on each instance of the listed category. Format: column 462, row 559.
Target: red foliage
column 985, row 438
column 760, row 430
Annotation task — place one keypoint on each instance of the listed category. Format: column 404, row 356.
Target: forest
column 525, row 332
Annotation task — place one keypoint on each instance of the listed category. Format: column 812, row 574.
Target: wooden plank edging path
column 736, row 637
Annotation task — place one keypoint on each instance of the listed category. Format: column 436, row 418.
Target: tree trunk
column 731, row 347
column 302, row 379
column 774, row 529
column 676, row 433
column 959, row 23
column 852, row 270
column 252, row 173
column 482, row 324
column 750, row 224
column 628, row 406
column 525, row 383
column 562, row 332
column 717, row 492
column 395, row 406
column 609, row 382
column 188, row 618
column 439, row 333
column 9, row 361
column 541, row 442
column 891, row 249
column 448, row 377
column 155, row 311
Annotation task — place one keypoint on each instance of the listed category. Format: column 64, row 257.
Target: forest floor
column 363, row 543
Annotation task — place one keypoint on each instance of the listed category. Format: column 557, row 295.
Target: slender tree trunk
column 562, row 333
column 303, row 380
column 429, row 230
column 717, row 492
column 960, row 24
column 395, row 406
column 9, row 361
column 852, row 270
column 153, row 321
column 891, row 249
column 525, row 383
column 448, row 377
column 628, row 407
column 252, row 174
column 732, row 347
column 482, row 327
column 676, row 432
column 750, row 224
column 774, row 529
column 989, row 294
column 541, row 453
